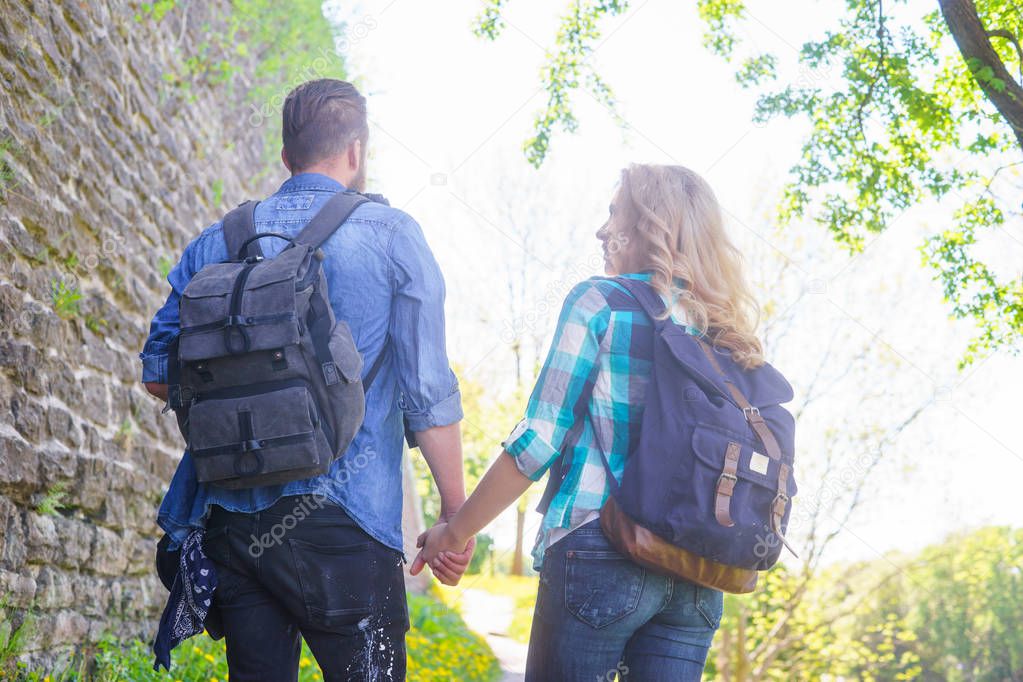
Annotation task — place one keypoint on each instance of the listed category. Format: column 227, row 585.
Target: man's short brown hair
column 321, row 118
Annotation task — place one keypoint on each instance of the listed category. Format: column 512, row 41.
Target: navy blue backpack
column 706, row 494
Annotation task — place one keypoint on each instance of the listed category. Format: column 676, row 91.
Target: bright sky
column 450, row 113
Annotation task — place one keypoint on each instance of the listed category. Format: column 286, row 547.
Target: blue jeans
column 598, row 614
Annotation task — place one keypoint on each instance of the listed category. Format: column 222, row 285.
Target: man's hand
column 447, row 555
column 159, row 390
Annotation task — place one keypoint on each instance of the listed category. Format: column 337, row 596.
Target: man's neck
column 342, row 175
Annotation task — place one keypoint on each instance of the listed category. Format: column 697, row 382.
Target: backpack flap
column 235, row 308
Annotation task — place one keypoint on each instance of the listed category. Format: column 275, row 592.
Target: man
column 322, row 557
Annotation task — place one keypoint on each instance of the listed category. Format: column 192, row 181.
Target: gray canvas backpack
column 266, row 383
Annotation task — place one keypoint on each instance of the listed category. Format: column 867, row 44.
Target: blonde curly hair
column 677, row 232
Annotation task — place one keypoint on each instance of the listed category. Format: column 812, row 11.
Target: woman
column 598, row 614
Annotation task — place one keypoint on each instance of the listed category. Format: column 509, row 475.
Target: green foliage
column 280, row 44
column 65, row 298
column 490, row 23
column 720, row 17
column 567, row 67
column 484, row 546
column 951, row 612
column 14, row 630
column 897, row 117
column 95, row 324
column 217, row 188
column 157, row 9
column 54, row 499
column 964, row 600
column 164, row 264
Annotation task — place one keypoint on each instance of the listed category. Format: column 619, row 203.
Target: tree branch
column 974, row 43
column 1011, row 37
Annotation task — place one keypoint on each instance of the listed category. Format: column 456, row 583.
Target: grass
column 440, row 649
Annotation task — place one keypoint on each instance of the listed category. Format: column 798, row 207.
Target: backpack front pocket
column 730, row 493
column 252, row 438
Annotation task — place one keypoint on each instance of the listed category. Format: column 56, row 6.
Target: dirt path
column 490, row 615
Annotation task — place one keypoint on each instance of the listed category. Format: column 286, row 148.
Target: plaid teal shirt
column 597, row 370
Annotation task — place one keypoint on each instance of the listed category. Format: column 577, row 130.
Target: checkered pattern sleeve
column 565, row 384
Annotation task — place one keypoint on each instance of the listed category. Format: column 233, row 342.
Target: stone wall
column 110, row 161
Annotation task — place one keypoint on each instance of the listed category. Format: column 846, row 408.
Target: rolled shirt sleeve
column 429, row 394
column 563, row 390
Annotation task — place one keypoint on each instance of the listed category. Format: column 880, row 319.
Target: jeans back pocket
column 336, row 583
column 601, row 587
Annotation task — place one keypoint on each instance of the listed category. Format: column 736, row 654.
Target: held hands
column 447, row 555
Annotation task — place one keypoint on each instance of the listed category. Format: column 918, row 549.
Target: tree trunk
column 741, row 670
column 974, row 42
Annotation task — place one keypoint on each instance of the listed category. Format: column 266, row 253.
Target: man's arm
column 442, row 449
column 429, row 395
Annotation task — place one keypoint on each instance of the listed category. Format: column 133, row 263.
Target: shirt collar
column 304, row 182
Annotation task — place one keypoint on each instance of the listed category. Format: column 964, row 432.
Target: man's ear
column 284, row 160
column 355, row 155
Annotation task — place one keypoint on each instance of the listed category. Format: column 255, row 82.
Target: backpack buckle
column 748, row 412
column 727, row 477
column 179, row 396
column 778, row 504
column 330, row 374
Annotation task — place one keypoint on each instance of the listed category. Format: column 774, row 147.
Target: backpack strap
column 648, row 299
column 329, row 218
column 240, row 226
column 375, row 369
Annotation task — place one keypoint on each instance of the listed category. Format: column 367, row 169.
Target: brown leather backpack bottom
column 657, row 554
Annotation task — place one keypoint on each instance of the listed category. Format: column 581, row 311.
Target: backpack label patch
column 758, row 463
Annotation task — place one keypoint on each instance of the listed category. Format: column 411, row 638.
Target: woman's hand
column 447, row 555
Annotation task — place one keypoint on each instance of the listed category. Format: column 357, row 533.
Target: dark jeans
column 304, row 568
column 598, row 614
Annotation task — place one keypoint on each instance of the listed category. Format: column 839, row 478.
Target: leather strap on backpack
column 751, row 413
column 726, row 486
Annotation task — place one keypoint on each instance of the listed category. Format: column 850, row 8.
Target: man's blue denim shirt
column 385, row 283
